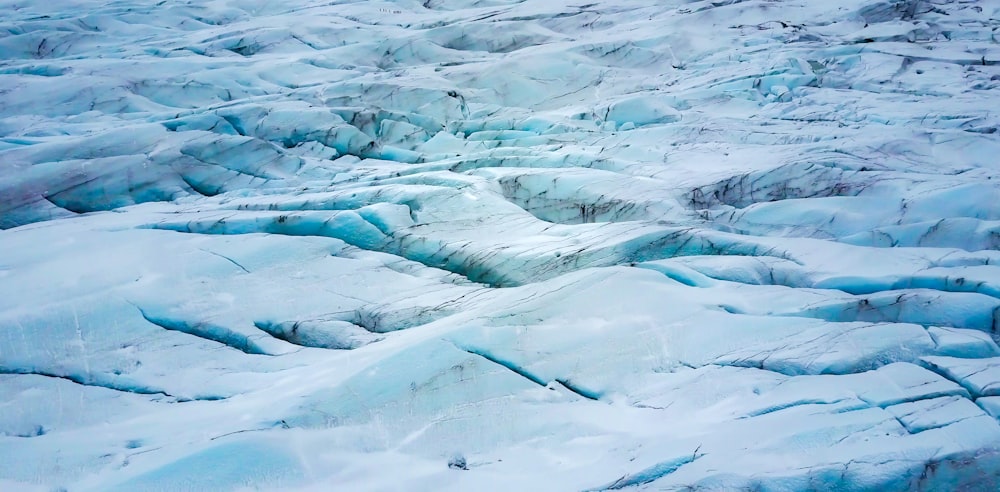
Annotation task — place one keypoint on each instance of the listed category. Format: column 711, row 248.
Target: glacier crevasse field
column 500, row 245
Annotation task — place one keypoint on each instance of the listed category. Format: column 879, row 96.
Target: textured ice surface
column 711, row 245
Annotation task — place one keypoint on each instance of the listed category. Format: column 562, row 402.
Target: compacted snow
column 499, row 245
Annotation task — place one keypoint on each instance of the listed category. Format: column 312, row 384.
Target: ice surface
column 722, row 245
column 980, row 376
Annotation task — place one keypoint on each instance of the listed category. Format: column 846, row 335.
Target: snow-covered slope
column 566, row 245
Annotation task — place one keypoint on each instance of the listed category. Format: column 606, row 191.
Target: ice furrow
column 651, row 474
column 564, row 383
column 508, row 365
column 208, row 331
column 103, row 381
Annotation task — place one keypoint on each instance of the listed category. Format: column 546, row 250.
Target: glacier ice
column 497, row 244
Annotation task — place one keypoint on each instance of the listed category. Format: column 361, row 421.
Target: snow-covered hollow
column 499, row 245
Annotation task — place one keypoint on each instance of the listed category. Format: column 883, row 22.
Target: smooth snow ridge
column 499, row 245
